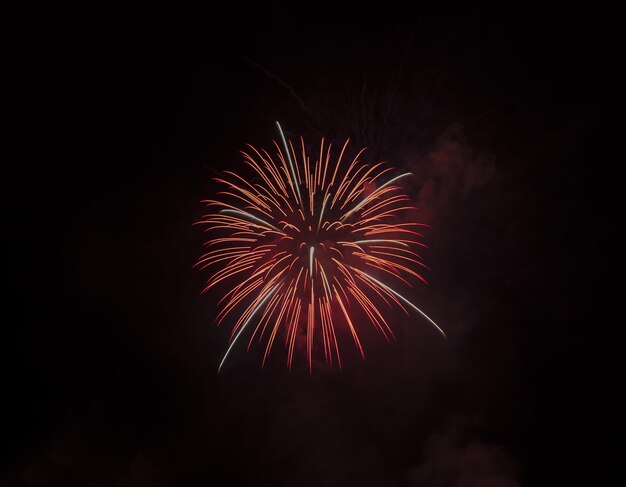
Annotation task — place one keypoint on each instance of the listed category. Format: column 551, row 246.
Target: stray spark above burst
column 308, row 245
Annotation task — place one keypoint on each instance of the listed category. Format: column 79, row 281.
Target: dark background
column 509, row 121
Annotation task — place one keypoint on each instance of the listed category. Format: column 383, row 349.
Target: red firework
column 306, row 243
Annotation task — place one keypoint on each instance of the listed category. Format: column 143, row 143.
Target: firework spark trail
column 301, row 241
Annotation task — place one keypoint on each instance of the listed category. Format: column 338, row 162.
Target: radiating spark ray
column 405, row 300
column 319, row 222
column 248, row 215
column 369, row 198
column 379, row 241
column 293, row 173
column 244, row 326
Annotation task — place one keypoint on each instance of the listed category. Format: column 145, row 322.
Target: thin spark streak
column 319, row 222
column 248, row 215
column 243, row 327
column 397, row 294
column 293, row 172
column 380, row 240
column 311, row 250
column 368, row 198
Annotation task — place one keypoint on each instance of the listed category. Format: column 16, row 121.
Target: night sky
column 509, row 122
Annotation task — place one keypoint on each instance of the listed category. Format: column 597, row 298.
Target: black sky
column 509, row 121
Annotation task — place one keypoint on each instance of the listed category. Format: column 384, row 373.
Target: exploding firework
column 305, row 244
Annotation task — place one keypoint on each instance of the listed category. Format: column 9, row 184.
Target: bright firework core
column 305, row 242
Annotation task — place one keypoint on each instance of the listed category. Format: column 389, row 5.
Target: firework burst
column 306, row 243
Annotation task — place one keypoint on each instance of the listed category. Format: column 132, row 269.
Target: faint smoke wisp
column 448, row 173
column 456, row 458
